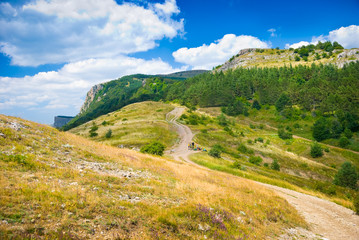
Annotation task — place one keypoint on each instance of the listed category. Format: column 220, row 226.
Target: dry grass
column 65, row 186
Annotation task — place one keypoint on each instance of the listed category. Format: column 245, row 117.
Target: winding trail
column 326, row 218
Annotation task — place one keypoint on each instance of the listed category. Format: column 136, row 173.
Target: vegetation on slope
column 56, row 185
column 133, row 126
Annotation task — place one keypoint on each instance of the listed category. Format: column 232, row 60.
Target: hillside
column 240, row 139
column 56, row 185
column 254, row 57
column 113, row 95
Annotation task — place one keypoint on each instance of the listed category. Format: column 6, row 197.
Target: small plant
column 255, row 160
column 236, row 164
column 155, row 148
column 108, row 133
column 275, row 165
column 316, row 150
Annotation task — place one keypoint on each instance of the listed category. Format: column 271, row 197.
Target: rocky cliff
column 90, row 97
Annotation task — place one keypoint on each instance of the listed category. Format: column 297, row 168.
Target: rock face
column 61, row 121
column 90, row 97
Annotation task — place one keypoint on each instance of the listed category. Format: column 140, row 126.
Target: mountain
column 110, row 96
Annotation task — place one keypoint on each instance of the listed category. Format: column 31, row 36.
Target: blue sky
column 52, row 52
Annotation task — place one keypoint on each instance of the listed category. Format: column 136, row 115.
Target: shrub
column 242, row 148
column 283, row 134
column 93, row 134
column 252, row 126
column 259, row 140
column 275, row 165
column 348, row 133
column 343, row 141
column 316, row 150
column 266, row 165
column 108, row 133
column 256, row 104
column 216, row 151
column 222, row 120
column 155, row 148
column 321, row 129
column 236, row 164
column 346, row 176
column 104, row 123
column 255, row 160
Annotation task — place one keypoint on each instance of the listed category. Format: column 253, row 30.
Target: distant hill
column 110, row 96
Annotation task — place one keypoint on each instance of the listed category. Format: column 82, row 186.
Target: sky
column 53, row 51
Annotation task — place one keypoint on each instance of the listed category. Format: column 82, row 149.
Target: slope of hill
column 110, row 96
column 254, row 57
column 240, row 140
column 56, row 185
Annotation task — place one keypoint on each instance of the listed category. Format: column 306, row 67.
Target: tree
column 348, row 133
column 282, row 102
column 316, row 150
column 155, row 148
column 343, row 141
column 108, row 133
column 222, row 120
column 216, row 151
column 255, row 160
column 275, row 165
column 346, row 176
column 256, row 104
column 321, row 129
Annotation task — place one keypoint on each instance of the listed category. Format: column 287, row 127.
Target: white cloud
column 208, row 56
column 66, row 88
column 60, row 31
column 348, row 37
column 272, row 31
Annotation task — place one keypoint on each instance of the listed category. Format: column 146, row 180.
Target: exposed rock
column 90, row 97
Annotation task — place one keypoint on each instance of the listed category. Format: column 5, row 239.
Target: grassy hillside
column 56, row 185
column 240, row 139
column 243, row 140
column 132, row 126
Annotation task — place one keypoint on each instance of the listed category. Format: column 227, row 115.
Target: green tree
column 216, row 151
column 316, row 150
column 346, row 176
column 348, row 133
column 275, row 165
column 222, row 120
column 283, row 134
column 321, row 129
column 343, row 141
column 108, row 133
column 256, row 104
column 155, row 148
column 282, row 102
column 255, row 160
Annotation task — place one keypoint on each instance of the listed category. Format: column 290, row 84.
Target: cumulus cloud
column 60, row 31
column 66, row 88
column 348, row 37
column 208, row 56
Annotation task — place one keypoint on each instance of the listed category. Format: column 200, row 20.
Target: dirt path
column 326, row 218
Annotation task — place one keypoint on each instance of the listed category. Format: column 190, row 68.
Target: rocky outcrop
column 252, row 57
column 90, row 97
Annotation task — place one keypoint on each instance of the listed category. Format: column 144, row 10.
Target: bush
column 259, row 140
column 346, row 176
column 242, row 148
column 236, row 164
column 108, row 133
column 256, row 104
column 93, row 134
column 347, row 133
column 222, row 120
column 275, row 165
column 316, row 150
column 343, row 141
column 216, row 151
column 255, row 160
column 321, row 129
column 155, row 148
column 283, row 134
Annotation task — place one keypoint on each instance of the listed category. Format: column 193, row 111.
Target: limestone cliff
column 90, row 97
